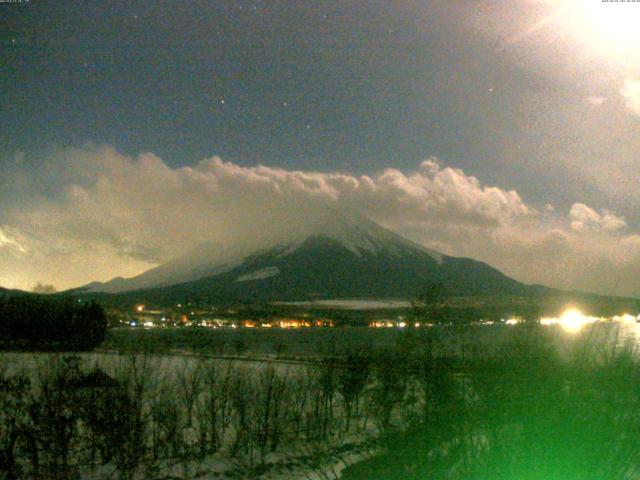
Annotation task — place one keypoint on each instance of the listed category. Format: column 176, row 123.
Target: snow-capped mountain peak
column 358, row 235
column 333, row 257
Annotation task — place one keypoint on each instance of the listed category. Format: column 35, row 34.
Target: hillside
column 341, row 259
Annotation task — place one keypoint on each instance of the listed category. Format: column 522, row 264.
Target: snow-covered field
column 166, row 366
column 198, row 418
column 189, row 416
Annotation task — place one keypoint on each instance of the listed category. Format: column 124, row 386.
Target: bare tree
column 137, row 378
column 391, row 378
column 214, row 412
column 242, row 391
column 270, row 399
column 352, row 379
column 164, row 423
column 54, row 416
column 14, row 394
column 300, row 400
column 190, row 381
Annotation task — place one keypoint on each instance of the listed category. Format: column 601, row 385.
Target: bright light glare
column 572, row 320
column 625, row 318
column 611, row 29
column 615, row 23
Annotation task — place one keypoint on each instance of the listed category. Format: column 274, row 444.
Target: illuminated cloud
column 115, row 215
column 595, row 101
column 8, row 243
column 631, row 93
column 586, row 218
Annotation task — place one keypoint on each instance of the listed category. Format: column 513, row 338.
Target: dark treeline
column 50, row 323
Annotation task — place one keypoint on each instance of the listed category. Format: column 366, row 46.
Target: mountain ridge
column 348, row 258
column 208, row 259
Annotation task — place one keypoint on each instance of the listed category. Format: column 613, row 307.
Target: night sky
column 535, row 98
column 354, row 86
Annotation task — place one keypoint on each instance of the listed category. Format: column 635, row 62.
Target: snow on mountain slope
column 206, row 260
column 359, row 236
column 261, row 274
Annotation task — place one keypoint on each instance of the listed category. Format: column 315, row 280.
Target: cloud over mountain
column 107, row 214
column 584, row 217
column 631, row 93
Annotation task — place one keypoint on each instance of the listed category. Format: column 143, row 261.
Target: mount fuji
column 340, row 258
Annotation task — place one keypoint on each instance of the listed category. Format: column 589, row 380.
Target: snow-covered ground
column 301, row 458
column 307, row 462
